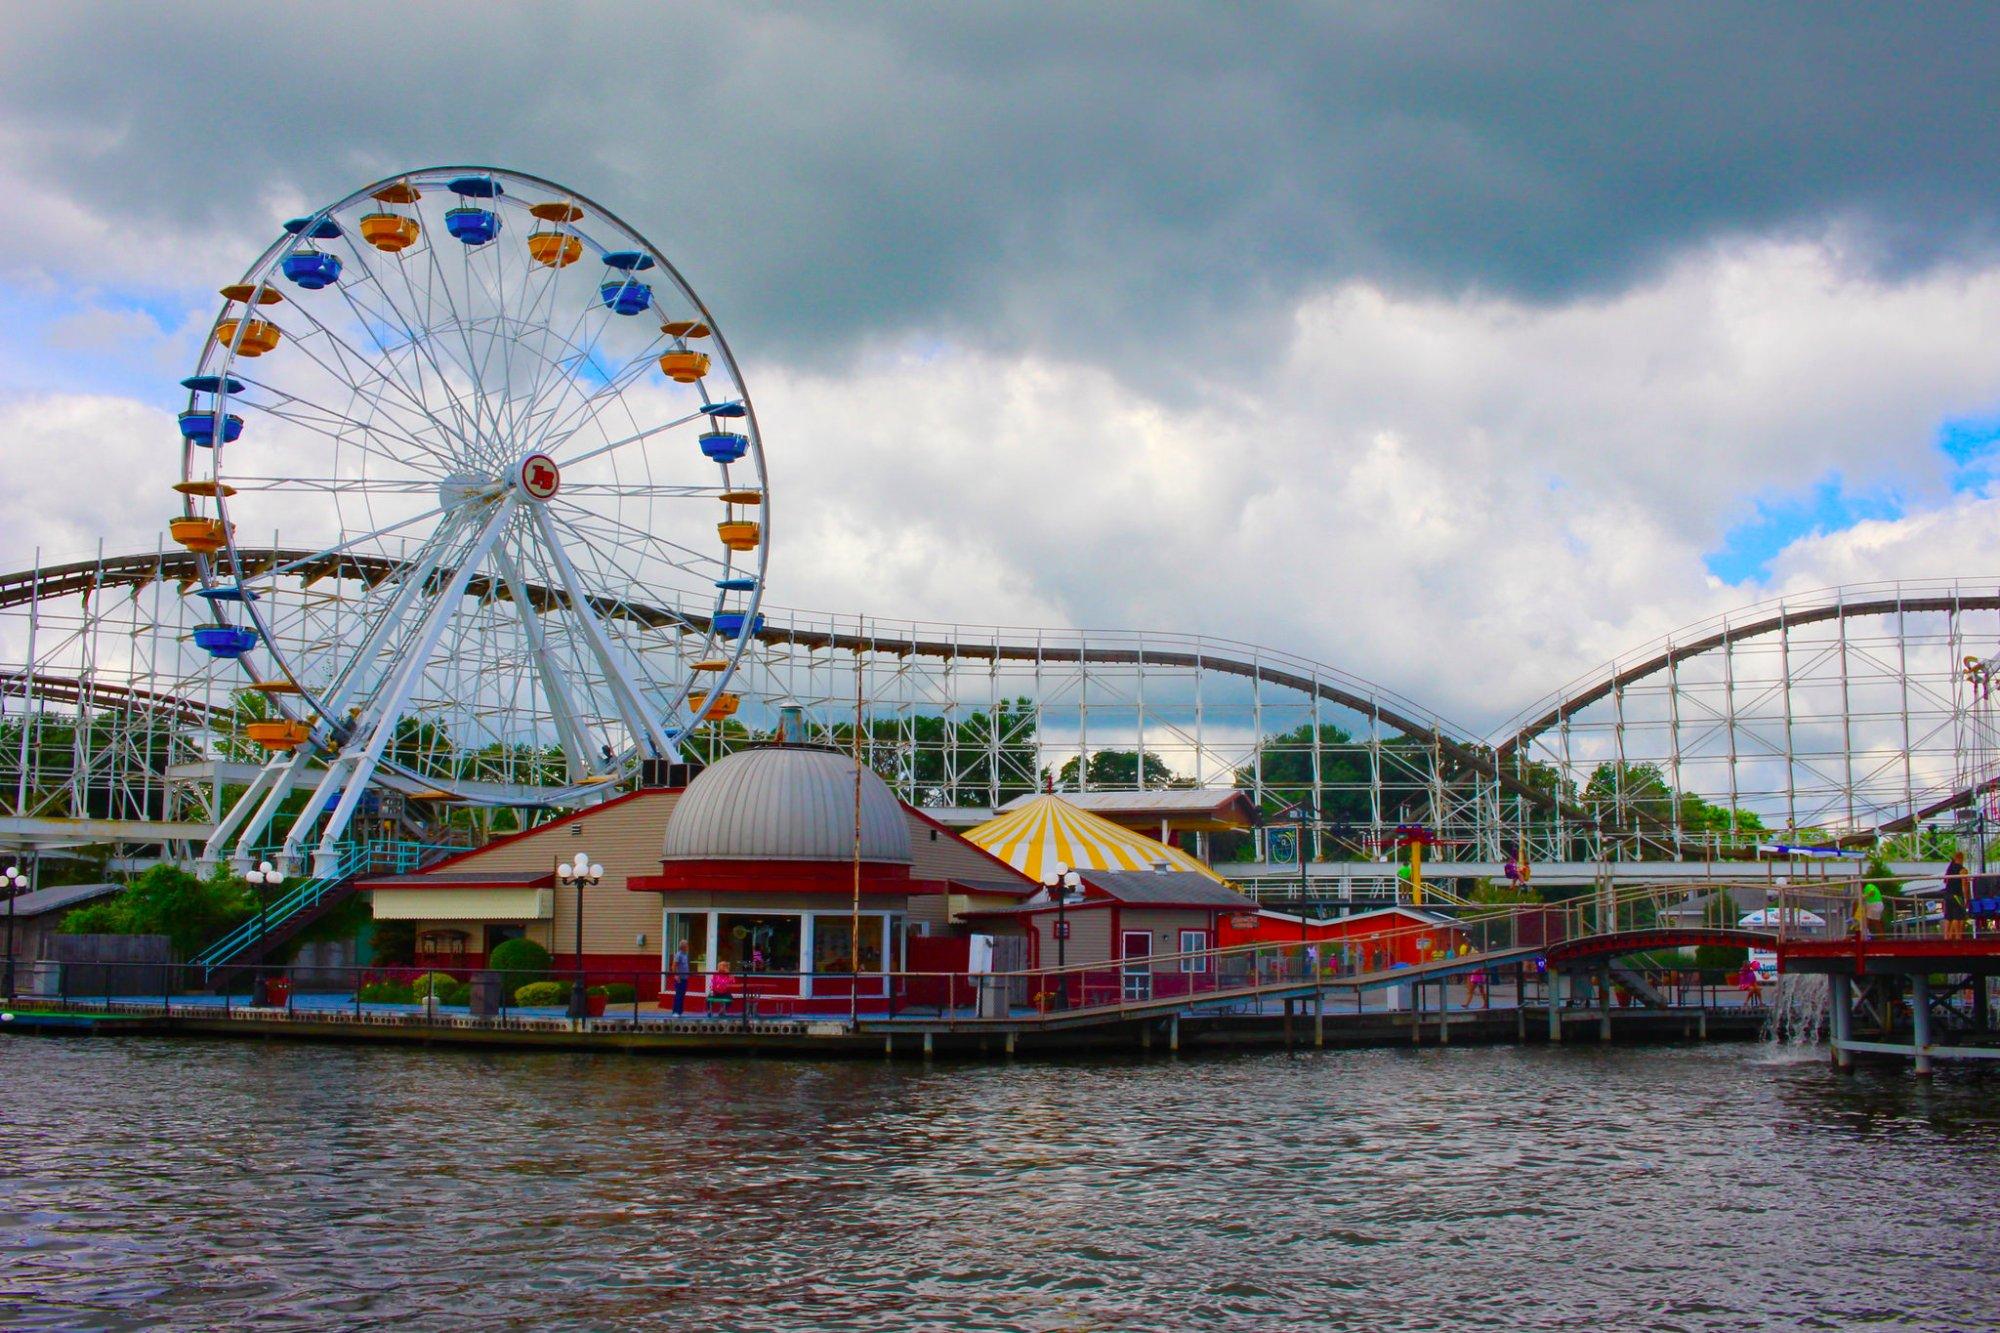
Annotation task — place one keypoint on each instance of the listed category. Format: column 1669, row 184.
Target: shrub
column 616, row 992
column 393, row 942
column 518, row 962
column 166, row 900
column 541, row 994
column 386, row 992
column 1720, row 957
column 433, row 985
column 459, row 992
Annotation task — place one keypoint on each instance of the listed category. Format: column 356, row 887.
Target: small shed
column 1371, row 940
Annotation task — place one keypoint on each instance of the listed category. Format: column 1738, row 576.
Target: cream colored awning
column 464, row 904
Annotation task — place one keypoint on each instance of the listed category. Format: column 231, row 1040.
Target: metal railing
column 353, row 858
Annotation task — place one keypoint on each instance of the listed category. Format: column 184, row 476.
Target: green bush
column 166, row 900
column 386, row 992
column 1720, row 957
column 541, row 994
column 616, row 992
column 432, row 985
column 518, row 962
column 393, row 943
column 459, row 992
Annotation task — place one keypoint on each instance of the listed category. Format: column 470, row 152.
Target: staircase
column 299, row 907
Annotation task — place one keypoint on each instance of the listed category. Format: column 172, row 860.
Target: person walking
column 1957, row 894
column 682, row 969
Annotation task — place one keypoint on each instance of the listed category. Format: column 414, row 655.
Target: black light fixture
column 585, row 874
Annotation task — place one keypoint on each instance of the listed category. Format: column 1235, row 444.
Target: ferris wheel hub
column 538, row 477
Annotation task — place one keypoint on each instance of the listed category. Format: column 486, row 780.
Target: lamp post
column 1061, row 881
column 265, row 877
column 1301, row 817
column 17, row 884
column 585, row 875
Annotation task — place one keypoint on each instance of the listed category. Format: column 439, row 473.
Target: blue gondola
column 226, row 641
column 212, row 384
column 737, row 585
column 199, row 428
column 474, row 226
column 726, row 410
column 231, row 593
column 323, row 230
column 627, row 296
column 312, row 269
column 730, row 624
column 632, row 261
column 724, row 446
column 475, row 187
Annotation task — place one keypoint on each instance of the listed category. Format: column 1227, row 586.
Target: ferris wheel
column 502, row 443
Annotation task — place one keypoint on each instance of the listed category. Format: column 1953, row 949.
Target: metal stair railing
column 354, row 858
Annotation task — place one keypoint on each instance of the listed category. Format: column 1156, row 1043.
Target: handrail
column 352, row 858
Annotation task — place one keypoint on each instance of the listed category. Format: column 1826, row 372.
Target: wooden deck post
column 1552, row 994
column 1604, row 1002
column 1010, row 1042
column 1920, row 1013
column 928, row 1039
column 1840, row 1004
column 1444, row 1013
column 1319, row 1017
column 1174, row 1033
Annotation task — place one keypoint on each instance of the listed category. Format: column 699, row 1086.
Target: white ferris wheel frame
column 354, row 718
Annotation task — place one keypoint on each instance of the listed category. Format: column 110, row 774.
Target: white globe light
column 596, row 871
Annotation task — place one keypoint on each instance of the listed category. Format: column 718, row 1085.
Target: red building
column 1373, row 940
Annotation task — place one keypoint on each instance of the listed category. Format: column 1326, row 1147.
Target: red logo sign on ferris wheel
column 539, row 477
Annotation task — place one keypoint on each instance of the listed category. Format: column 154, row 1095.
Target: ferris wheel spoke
column 322, row 556
column 426, row 349
column 441, row 287
column 341, row 431
column 638, row 715
column 370, row 319
column 638, row 438
column 587, row 409
column 625, row 535
column 342, row 350
column 332, row 485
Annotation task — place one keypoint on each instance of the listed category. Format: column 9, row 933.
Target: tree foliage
column 1115, row 770
column 166, row 900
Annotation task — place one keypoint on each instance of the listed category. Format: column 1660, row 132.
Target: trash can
column 278, row 992
column 485, row 994
column 993, row 997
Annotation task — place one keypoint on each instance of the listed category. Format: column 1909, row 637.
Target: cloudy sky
column 1459, row 346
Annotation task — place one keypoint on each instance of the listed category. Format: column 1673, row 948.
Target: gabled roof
column 1171, row 888
column 61, row 898
column 1219, row 807
column 1049, row 830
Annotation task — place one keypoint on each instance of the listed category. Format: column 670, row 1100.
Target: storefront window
column 759, row 941
column 833, row 948
column 691, row 929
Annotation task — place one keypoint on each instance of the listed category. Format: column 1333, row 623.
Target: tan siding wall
column 1166, row 925
column 1089, row 937
column 625, row 839
column 951, row 857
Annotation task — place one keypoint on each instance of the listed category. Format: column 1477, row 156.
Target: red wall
column 1383, row 940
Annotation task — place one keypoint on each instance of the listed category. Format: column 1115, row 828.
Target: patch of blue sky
column 1749, row 547
column 1973, row 446
column 58, row 340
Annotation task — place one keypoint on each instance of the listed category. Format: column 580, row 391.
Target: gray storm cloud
column 1097, row 179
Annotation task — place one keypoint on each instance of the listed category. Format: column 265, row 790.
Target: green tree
column 166, row 900
column 1116, row 770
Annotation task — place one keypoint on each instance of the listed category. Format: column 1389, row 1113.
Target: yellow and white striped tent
column 1048, row 830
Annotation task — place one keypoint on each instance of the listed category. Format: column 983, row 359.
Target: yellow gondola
column 259, row 336
column 208, row 490
column 554, row 249
column 724, row 706
column 275, row 687
column 739, row 534
column 684, row 367
column 279, row 735
column 685, row 328
column 709, row 664
column 204, row 535
column 388, row 230
column 248, row 291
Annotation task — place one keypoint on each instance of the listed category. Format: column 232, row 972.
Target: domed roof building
column 786, row 803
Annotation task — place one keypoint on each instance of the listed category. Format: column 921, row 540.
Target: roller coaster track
column 82, row 578
column 1788, row 615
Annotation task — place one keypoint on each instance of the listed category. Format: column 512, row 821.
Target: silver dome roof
column 785, row 803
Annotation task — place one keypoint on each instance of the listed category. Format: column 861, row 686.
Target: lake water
column 210, row 1184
